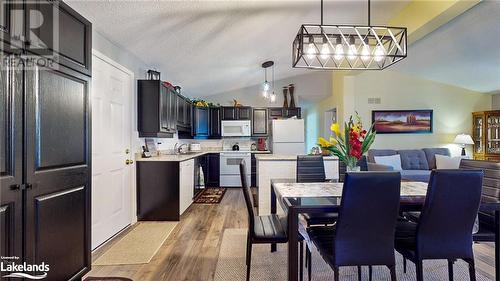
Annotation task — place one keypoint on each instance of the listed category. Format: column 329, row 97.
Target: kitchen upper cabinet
column 201, row 123
column 57, row 171
column 236, row 113
column 183, row 113
column 281, row 112
column 156, row 109
column 244, row 113
column 215, row 119
column 11, row 157
column 259, row 122
column 291, row 112
column 72, row 41
column 229, row 113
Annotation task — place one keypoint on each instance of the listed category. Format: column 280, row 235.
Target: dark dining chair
column 264, row 229
column 444, row 228
column 357, row 240
column 311, row 168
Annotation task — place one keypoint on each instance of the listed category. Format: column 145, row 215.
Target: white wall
column 314, row 85
column 452, row 106
column 495, row 102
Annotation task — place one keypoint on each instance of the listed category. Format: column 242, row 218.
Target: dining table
column 325, row 197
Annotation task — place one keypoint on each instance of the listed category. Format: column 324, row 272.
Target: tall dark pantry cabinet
column 45, row 145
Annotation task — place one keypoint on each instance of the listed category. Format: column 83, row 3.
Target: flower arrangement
column 349, row 145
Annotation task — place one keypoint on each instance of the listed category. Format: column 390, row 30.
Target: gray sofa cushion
column 416, row 175
column 413, row 159
column 380, row 152
column 430, row 154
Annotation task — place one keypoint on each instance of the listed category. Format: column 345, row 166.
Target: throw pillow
column 447, row 162
column 394, row 161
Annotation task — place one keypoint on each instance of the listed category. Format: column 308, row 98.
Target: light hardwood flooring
column 191, row 251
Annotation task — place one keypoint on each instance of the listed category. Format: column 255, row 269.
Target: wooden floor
column 191, row 251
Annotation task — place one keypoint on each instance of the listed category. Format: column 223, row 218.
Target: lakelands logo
column 23, row 270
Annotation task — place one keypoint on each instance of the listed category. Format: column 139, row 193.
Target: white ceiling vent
column 374, row 100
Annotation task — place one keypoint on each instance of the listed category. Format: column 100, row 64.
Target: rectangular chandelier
column 344, row 47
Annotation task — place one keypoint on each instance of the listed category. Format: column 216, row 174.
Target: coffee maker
column 261, row 144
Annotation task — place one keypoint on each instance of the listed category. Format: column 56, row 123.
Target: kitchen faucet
column 178, row 150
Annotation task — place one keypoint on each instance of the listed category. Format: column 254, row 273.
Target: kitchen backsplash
column 224, row 144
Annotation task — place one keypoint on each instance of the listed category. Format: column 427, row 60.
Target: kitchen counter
column 277, row 157
column 274, row 166
column 185, row 157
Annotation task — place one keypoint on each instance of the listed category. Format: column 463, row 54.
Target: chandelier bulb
column 365, row 53
column 325, row 51
column 265, row 94
column 266, row 86
column 273, row 97
column 339, row 52
column 352, row 52
column 311, row 51
column 379, row 53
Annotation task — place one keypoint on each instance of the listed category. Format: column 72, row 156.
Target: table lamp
column 463, row 140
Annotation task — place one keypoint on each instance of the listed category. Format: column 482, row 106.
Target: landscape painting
column 402, row 121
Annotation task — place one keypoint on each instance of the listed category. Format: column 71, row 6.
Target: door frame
column 133, row 189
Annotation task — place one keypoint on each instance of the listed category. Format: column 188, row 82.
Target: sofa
column 416, row 164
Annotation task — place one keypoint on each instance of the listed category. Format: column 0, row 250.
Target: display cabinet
column 486, row 135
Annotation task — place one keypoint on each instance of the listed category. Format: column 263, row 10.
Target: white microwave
column 236, row 128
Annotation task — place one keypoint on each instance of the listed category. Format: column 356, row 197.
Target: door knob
column 128, row 161
column 15, row 187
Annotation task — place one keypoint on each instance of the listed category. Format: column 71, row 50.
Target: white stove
column 230, row 163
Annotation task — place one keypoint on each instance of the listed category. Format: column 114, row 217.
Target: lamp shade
column 463, row 139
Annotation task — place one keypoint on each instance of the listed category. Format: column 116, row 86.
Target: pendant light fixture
column 268, row 87
column 348, row 47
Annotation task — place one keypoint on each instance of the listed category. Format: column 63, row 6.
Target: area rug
column 139, row 245
column 211, row 195
column 107, row 279
column 267, row 266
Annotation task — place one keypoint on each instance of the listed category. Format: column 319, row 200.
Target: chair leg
column 301, row 263
column 420, row 270
column 450, row 269
column 359, row 273
column 336, row 273
column 370, row 273
column 309, row 261
column 249, row 257
column 472, row 269
column 404, row 264
column 392, row 269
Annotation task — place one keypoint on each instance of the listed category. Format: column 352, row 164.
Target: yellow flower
column 323, row 142
column 335, row 128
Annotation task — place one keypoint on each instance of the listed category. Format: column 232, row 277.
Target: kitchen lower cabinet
column 186, row 184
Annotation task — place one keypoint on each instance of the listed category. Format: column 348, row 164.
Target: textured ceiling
column 465, row 52
column 209, row 47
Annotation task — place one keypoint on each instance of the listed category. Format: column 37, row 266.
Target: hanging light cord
column 321, row 12
column 369, row 8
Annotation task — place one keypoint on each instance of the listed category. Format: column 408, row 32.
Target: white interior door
column 111, row 137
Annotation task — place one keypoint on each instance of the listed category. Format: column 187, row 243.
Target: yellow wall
column 452, row 106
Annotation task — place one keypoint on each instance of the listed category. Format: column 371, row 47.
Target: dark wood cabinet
column 244, row 113
column 236, row 113
column 201, row 120
column 260, row 122
column 291, row 112
column 183, row 114
column 11, row 162
column 156, row 109
column 228, row 113
column 72, row 41
column 281, row 112
column 215, row 119
column 45, row 151
column 213, row 174
column 57, row 171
